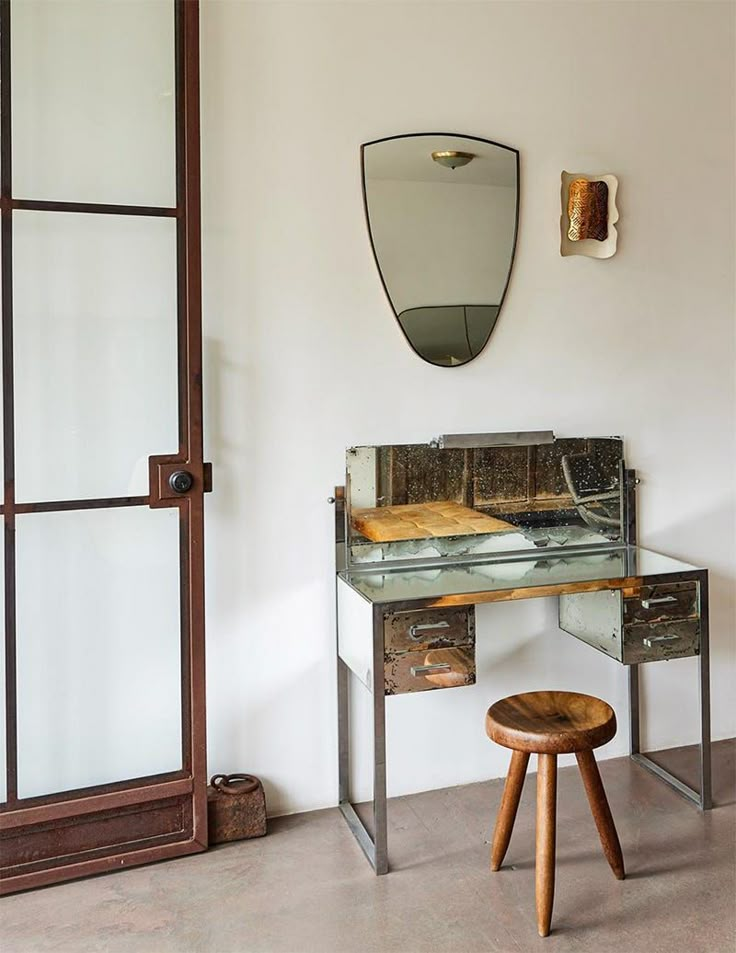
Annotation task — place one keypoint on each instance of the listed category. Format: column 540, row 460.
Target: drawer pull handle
column 417, row 670
column 662, row 600
column 415, row 631
column 651, row 639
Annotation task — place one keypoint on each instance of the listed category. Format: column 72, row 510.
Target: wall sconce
column 589, row 215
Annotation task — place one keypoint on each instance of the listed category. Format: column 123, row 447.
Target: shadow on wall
column 670, row 687
column 231, row 408
column 250, row 727
column 696, row 534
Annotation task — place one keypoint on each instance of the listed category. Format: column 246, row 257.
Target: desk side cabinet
column 642, row 624
column 421, row 650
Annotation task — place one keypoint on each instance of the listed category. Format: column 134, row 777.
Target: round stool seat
column 551, row 722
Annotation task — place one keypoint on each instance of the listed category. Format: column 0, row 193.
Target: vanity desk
column 424, row 533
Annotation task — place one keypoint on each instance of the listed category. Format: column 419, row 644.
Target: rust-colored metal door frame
column 111, row 826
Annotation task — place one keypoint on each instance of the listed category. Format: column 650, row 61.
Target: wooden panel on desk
column 528, row 592
column 425, row 521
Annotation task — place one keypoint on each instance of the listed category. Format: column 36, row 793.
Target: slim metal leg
column 706, row 793
column 356, row 825
column 374, row 847
column 343, row 731
column 703, row 798
column 380, row 818
column 634, row 721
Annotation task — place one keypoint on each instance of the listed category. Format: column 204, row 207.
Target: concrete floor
column 306, row 887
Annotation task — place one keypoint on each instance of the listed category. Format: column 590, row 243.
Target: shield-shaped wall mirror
column 442, row 215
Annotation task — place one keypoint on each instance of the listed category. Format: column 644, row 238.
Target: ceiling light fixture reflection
column 453, row 160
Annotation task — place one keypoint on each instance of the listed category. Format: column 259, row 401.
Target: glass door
column 103, row 747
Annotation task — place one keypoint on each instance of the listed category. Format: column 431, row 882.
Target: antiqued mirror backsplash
column 442, row 215
column 418, row 502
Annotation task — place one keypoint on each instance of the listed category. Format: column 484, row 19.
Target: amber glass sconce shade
column 589, row 214
column 587, row 210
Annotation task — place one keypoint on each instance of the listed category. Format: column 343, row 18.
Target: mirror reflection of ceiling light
column 453, row 160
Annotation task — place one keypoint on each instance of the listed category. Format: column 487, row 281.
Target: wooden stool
column 548, row 724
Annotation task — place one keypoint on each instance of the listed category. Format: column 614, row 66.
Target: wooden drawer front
column 663, row 603
column 661, row 640
column 428, row 629
column 437, row 668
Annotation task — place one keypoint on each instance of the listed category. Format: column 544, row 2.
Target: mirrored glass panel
column 442, row 214
column 404, row 585
column 417, row 502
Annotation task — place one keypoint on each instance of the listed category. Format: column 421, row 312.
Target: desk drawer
column 661, row 640
column 428, row 629
column 424, row 670
column 648, row 624
column 666, row 602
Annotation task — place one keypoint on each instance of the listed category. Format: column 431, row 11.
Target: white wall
column 304, row 357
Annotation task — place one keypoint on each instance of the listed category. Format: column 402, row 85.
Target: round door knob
column 181, row 481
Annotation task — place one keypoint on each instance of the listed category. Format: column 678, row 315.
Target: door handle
column 181, row 481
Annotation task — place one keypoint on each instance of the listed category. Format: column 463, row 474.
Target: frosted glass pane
column 3, row 751
column 98, row 647
column 95, row 352
column 93, row 101
column 2, row 389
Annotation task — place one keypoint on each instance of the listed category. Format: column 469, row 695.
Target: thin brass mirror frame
column 454, row 135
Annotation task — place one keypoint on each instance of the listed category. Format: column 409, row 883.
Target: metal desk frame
column 375, row 846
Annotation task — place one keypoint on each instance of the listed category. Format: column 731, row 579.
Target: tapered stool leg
column 546, row 832
column 509, row 807
column 601, row 811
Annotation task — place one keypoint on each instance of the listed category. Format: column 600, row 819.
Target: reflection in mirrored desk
column 426, row 532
